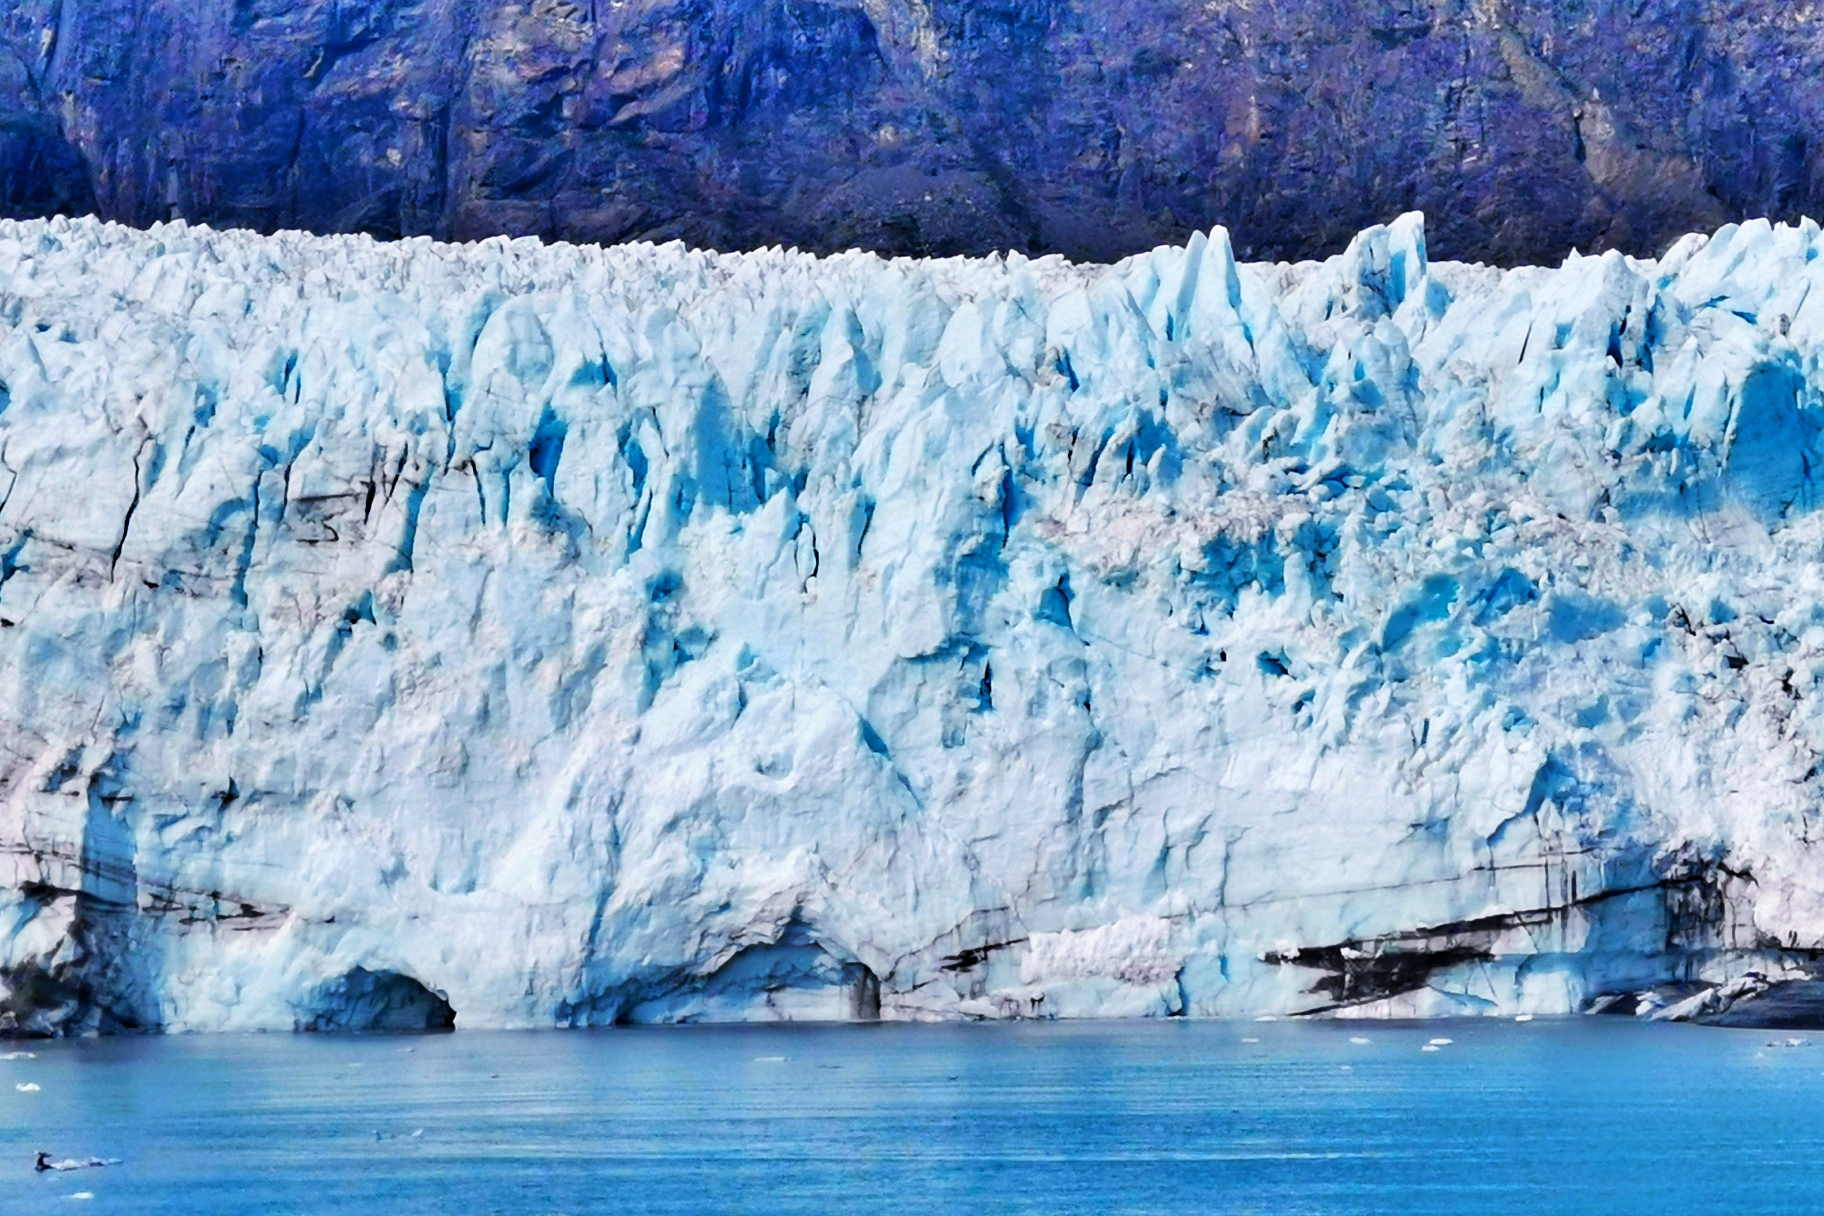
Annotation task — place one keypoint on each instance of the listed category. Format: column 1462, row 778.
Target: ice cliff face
column 544, row 635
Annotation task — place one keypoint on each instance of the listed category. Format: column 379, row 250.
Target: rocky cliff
column 1094, row 128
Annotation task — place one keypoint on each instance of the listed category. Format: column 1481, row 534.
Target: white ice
column 636, row 634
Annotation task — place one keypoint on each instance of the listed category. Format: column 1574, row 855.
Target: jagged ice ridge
column 533, row 634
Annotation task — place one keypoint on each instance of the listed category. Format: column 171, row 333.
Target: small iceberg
column 1358, row 1040
column 1439, row 1043
column 44, row 1163
column 27, row 1087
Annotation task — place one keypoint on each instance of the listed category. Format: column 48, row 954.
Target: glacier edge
column 545, row 635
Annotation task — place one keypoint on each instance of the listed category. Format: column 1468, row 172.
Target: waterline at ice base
column 398, row 635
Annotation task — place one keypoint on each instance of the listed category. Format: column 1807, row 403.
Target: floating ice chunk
column 1439, row 1043
column 769, row 1059
column 1524, row 1017
column 1358, row 1040
column 27, row 1087
column 1250, row 1039
column 1430, row 1047
column 19, row 1055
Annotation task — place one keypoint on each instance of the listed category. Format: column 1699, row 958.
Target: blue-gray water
column 1584, row 1115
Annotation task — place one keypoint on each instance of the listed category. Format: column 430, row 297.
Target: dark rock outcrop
column 1792, row 1001
column 1788, row 1005
column 1088, row 127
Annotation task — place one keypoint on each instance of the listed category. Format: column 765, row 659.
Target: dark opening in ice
column 377, row 1000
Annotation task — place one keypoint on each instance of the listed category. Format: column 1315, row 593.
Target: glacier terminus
column 520, row 635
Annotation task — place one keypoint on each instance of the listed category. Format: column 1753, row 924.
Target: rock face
column 507, row 634
column 1096, row 129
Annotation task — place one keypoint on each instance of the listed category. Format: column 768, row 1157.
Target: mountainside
column 1093, row 128
column 532, row 635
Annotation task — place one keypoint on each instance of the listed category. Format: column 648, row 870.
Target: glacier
column 516, row 634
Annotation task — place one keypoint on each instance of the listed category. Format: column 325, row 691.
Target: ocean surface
column 1551, row 1116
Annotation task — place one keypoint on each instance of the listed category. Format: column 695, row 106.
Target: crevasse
column 541, row 635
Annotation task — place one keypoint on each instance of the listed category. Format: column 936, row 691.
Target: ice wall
column 544, row 635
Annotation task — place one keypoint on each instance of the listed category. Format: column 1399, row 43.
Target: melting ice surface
column 531, row 635
column 1161, row 1117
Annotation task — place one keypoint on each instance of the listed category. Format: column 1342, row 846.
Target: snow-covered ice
column 541, row 635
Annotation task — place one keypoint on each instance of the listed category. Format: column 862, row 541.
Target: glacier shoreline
column 545, row 635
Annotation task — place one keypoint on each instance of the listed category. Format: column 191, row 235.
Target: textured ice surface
column 579, row 635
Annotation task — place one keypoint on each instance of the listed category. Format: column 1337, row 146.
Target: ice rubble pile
column 532, row 634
